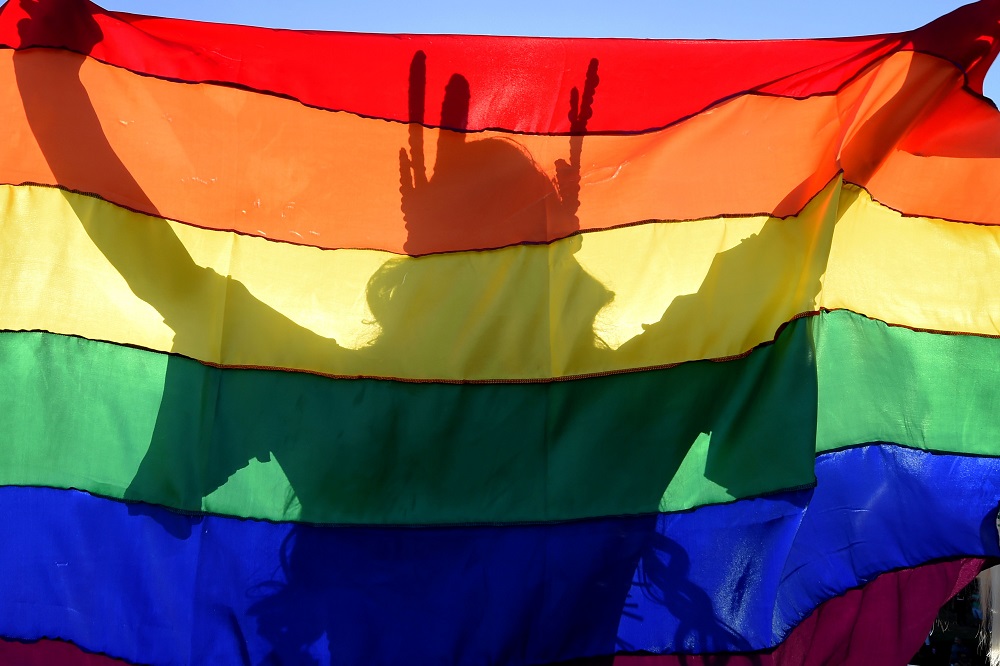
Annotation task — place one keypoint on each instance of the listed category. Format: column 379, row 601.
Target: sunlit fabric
column 731, row 578
column 826, row 383
column 849, row 629
column 369, row 349
column 268, row 166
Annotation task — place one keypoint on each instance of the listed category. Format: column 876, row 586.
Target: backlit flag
column 391, row 349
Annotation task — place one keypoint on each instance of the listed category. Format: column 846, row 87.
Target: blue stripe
column 148, row 585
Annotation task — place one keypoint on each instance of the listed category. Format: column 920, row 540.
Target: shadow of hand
column 49, row 19
column 179, row 526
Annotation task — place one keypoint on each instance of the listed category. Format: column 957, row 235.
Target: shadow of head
column 484, row 190
column 480, row 189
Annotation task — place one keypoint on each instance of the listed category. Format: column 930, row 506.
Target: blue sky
column 690, row 19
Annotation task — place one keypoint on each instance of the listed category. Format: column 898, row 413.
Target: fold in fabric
column 645, row 86
column 392, row 349
column 883, row 622
column 123, row 422
column 148, row 585
column 900, row 605
column 230, row 159
column 286, row 446
column 617, row 300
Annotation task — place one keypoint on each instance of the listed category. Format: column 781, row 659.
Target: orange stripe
column 955, row 149
column 224, row 158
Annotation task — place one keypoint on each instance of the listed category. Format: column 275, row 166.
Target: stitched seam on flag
column 515, row 380
column 490, row 524
column 470, row 524
column 411, row 380
column 55, row 639
column 648, row 130
column 624, row 653
column 579, row 232
column 935, row 560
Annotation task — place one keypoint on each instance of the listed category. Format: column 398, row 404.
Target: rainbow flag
column 395, row 349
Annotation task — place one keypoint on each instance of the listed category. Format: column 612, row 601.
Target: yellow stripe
column 918, row 272
column 627, row 298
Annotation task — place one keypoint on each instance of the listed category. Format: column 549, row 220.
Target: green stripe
column 123, row 422
column 931, row 391
column 119, row 421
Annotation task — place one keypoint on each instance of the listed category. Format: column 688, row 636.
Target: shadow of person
column 664, row 575
column 481, row 189
column 185, row 460
column 512, row 192
column 778, row 269
column 781, row 268
column 434, row 207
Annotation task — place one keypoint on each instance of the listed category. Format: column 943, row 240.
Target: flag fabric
column 373, row 349
column 866, row 625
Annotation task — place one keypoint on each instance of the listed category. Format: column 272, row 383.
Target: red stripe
column 517, row 83
column 51, row 653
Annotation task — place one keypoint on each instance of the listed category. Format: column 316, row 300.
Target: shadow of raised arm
column 148, row 255
column 568, row 173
